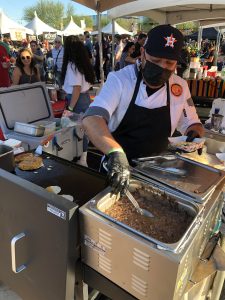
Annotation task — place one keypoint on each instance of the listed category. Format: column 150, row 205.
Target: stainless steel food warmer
column 144, row 266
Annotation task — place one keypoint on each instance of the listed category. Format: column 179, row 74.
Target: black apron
column 143, row 131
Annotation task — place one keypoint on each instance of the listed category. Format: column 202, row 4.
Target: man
column 140, row 43
column 137, row 110
column 38, row 57
column 88, row 45
column 4, row 67
column 57, row 55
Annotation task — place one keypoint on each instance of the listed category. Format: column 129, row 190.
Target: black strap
column 139, row 78
column 57, row 57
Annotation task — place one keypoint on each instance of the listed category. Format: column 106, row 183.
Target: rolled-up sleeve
column 189, row 115
column 108, row 99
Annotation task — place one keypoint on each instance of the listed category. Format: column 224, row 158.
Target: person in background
column 126, row 57
column 88, row 45
column 208, row 56
column 4, row 67
column 140, row 43
column 57, row 55
column 118, row 51
column 38, row 57
column 26, row 70
column 140, row 106
column 183, row 64
column 77, row 78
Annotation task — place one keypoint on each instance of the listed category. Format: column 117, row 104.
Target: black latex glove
column 191, row 135
column 118, row 176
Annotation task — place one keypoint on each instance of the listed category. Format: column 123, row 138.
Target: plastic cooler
column 30, row 103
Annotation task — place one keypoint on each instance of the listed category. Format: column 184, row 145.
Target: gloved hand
column 191, row 135
column 118, row 176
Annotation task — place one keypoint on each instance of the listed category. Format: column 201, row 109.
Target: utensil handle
column 134, row 202
column 14, row 240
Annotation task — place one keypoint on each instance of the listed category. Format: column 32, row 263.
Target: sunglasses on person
column 25, row 57
column 57, row 42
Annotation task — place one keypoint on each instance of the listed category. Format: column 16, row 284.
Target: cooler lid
column 26, row 103
column 184, row 175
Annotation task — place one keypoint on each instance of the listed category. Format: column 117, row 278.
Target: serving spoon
column 142, row 211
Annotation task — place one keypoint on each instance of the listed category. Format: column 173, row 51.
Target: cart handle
column 14, row 240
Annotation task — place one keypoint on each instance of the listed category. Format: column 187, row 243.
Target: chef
column 139, row 107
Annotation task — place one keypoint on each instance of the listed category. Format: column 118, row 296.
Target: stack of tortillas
column 28, row 161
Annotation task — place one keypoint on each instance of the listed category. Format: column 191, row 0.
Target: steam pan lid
column 197, row 180
column 25, row 103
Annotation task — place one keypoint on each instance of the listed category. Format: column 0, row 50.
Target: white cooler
column 30, row 103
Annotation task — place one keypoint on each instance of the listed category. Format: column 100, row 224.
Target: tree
column 48, row 11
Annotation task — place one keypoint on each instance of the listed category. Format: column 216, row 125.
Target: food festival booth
column 63, row 235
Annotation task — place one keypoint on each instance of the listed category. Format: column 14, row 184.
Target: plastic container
column 211, row 73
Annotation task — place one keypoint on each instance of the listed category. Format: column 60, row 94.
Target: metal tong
column 141, row 211
column 170, row 170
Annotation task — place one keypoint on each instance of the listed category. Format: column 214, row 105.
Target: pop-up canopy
column 39, row 26
column 72, row 29
column 171, row 11
column 17, row 32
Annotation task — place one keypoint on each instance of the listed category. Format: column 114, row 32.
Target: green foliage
column 104, row 21
column 49, row 11
column 146, row 24
column 126, row 23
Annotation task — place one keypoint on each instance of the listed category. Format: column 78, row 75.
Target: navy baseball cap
column 164, row 41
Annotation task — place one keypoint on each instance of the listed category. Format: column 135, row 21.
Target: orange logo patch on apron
column 176, row 89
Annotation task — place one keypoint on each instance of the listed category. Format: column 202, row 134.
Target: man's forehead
column 150, row 57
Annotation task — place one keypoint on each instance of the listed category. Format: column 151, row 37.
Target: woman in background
column 26, row 71
column 77, row 78
column 126, row 58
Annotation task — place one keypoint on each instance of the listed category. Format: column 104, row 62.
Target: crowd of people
column 74, row 65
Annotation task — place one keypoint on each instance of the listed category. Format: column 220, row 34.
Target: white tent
column 39, row 26
column 102, row 5
column 118, row 29
column 108, row 29
column 72, row 29
column 172, row 11
column 17, row 31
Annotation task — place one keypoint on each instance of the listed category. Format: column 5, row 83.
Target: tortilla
column 23, row 156
column 30, row 163
column 188, row 146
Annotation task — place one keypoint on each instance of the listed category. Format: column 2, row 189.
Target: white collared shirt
column 74, row 77
column 118, row 90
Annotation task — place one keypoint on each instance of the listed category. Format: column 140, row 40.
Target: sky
column 14, row 8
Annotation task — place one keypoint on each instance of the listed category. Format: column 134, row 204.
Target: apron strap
column 139, row 78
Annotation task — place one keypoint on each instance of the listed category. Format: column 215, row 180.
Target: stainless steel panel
column 198, row 180
column 49, row 248
column 103, row 201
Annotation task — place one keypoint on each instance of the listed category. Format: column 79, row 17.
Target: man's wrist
column 115, row 150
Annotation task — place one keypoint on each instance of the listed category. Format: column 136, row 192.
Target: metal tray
column 30, row 129
column 103, row 201
column 196, row 180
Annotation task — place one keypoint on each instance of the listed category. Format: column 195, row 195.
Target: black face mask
column 155, row 75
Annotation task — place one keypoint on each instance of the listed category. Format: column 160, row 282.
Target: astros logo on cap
column 170, row 40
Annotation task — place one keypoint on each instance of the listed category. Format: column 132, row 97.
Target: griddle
column 80, row 182
column 198, row 180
